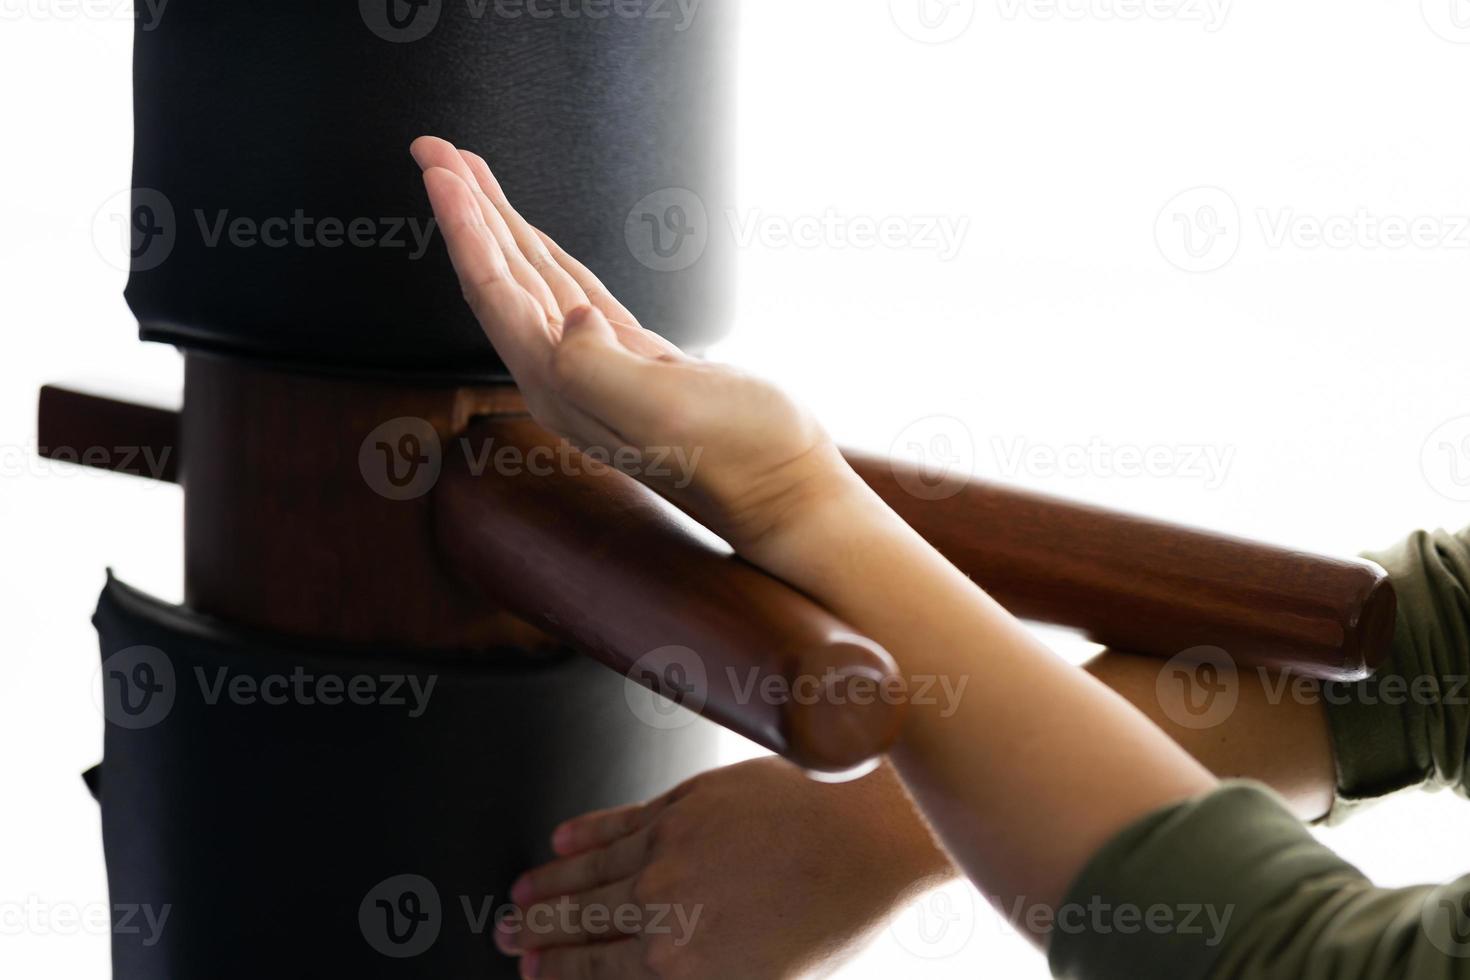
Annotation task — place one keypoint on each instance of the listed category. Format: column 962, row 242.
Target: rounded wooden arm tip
column 1371, row 623
column 601, row 562
column 848, row 706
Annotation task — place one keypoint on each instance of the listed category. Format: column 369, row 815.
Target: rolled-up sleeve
column 1274, row 902
column 1231, row 886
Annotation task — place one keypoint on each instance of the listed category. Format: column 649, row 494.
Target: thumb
column 600, row 376
column 586, row 322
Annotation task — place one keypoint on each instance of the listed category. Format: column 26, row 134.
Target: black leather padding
column 252, row 839
column 604, row 118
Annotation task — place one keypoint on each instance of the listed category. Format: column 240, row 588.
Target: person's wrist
column 815, row 514
column 914, row 861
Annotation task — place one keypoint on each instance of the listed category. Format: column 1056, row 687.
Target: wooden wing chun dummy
column 292, row 827
column 388, row 680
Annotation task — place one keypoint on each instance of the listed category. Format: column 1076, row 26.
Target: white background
column 1060, row 138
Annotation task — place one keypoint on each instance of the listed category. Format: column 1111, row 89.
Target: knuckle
column 689, row 786
column 653, row 884
column 628, row 821
column 474, row 296
column 643, row 848
column 645, row 885
column 482, row 295
column 664, row 960
column 658, row 834
column 674, row 827
column 599, row 863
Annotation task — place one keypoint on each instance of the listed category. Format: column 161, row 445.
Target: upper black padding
column 260, row 110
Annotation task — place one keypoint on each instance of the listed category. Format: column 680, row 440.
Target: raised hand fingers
column 430, row 151
column 568, row 292
column 623, row 858
column 602, row 827
column 597, row 294
column 507, row 313
column 476, row 255
column 588, row 917
column 571, row 282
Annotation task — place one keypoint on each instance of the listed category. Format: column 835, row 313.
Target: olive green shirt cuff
column 1408, row 725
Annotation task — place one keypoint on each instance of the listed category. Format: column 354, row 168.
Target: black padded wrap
column 259, row 110
column 271, row 840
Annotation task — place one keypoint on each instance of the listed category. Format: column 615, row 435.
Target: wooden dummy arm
column 108, row 433
column 602, row 562
column 598, row 559
column 591, row 557
column 1147, row 586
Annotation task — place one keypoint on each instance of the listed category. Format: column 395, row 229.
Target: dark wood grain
column 1148, row 586
column 293, row 525
column 286, row 530
column 605, row 563
column 108, row 433
column 1127, row 581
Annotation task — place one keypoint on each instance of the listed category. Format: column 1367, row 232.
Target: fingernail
column 506, row 941
column 520, row 892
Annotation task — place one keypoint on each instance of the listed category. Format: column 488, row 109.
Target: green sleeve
column 1409, row 724
column 1231, row 886
column 1238, row 889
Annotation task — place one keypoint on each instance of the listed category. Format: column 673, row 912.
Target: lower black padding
column 247, row 839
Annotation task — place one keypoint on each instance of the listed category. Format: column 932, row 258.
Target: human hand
column 753, row 871
column 592, row 374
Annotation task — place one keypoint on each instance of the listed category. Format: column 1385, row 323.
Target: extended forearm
column 1034, row 765
column 1274, row 730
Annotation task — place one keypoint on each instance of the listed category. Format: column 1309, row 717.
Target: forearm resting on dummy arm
column 1284, row 905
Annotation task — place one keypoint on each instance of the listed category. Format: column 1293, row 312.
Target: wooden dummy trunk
column 309, row 838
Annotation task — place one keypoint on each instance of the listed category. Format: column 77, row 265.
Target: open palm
column 592, row 374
